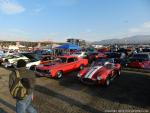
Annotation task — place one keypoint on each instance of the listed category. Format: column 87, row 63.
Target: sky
column 57, row 20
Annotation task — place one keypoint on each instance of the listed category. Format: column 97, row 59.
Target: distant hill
column 138, row 39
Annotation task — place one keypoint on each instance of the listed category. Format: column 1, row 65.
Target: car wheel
column 81, row 67
column 107, row 82
column 59, row 74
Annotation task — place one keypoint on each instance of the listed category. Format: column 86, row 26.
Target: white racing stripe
column 92, row 71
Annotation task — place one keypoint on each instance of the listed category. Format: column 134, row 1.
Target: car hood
column 32, row 63
column 49, row 66
column 92, row 72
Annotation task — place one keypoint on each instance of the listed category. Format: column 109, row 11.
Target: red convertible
column 61, row 66
column 100, row 72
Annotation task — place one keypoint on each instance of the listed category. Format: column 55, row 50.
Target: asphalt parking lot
column 130, row 91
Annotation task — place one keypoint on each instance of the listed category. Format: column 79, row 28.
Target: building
column 6, row 44
column 78, row 42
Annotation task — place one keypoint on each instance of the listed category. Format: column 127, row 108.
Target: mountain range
column 138, row 39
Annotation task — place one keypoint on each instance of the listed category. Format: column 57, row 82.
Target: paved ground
column 131, row 91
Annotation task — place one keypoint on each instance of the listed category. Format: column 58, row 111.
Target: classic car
column 33, row 61
column 11, row 60
column 61, row 66
column 139, row 60
column 102, row 71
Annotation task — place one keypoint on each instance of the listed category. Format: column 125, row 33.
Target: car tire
column 59, row 74
column 107, row 82
column 81, row 67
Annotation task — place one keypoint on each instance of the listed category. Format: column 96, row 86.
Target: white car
column 11, row 60
column 31, row 65
column 33, row 60
column 80, row 54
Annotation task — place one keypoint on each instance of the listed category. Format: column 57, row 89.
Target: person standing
column 21, row 85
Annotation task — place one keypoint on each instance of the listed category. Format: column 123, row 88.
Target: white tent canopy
column 15, row 47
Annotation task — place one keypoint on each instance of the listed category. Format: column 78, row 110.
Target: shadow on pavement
column 2, row 111
column 64, row 98
column 129, row 88
column 71, row 81
column 7, row 105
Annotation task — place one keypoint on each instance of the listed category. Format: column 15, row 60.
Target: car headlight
column 99, row 78
column 78, row 75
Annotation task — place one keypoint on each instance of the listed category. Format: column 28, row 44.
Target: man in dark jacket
column 28, row 81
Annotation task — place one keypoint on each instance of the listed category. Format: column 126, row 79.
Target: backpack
column 17, row 90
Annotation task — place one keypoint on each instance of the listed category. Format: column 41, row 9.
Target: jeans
column 25, row 106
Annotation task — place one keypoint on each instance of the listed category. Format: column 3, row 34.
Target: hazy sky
column 57, row 20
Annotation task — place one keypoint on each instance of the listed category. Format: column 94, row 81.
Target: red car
column 63, row 65
column 139, row 60
column 101, row 72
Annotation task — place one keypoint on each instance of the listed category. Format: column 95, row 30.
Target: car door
column 76, row 63
column 70, row 64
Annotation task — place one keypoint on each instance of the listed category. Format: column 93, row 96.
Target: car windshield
column 140, row 56
column 101, row 62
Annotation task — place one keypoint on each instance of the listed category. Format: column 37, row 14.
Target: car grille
column 88, row 81
column 43, row 71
